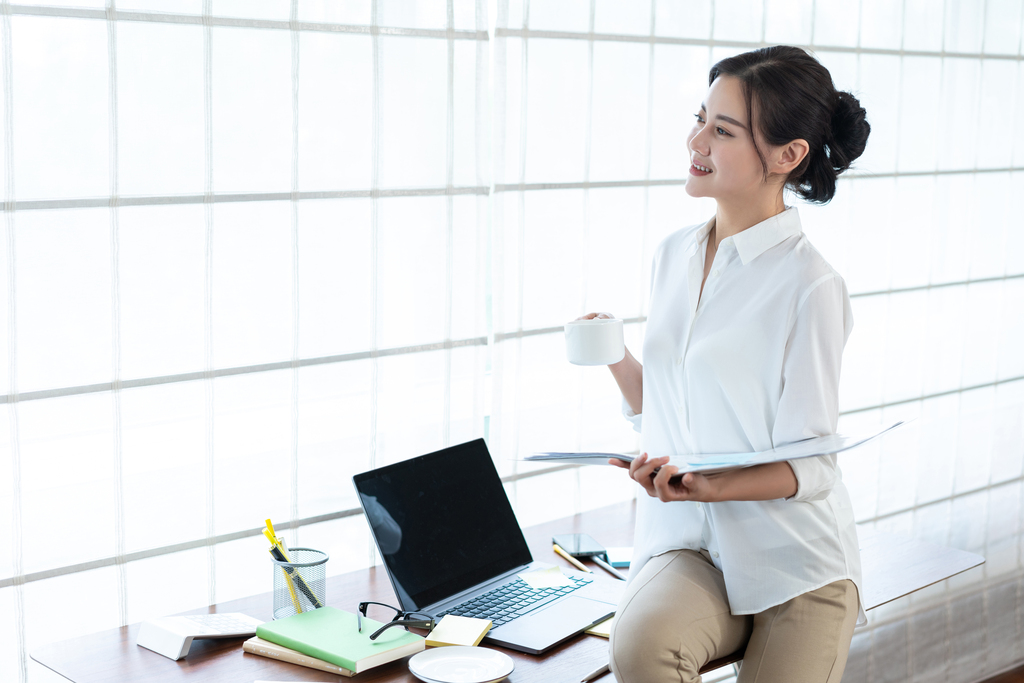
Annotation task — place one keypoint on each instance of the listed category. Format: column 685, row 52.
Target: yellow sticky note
column 552, row 577
column 453, row 630
column 604, row 629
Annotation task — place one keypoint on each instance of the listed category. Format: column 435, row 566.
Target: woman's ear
column 788, row 157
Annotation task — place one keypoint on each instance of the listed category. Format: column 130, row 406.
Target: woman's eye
column 721, row 131
column 698, row 117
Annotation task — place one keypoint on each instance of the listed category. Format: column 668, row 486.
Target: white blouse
column 754, row 366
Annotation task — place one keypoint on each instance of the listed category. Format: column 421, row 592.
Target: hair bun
column 850, row 130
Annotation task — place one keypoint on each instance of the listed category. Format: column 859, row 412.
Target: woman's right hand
column 641, row 470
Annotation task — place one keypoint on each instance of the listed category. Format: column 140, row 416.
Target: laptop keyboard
column 512, row 600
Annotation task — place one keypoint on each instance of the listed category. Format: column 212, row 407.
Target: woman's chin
column 694, row 191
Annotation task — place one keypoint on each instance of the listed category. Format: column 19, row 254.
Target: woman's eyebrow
column 725, row 118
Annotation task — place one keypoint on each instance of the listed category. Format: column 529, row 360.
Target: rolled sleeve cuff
column 815, row 477
column 633, row 418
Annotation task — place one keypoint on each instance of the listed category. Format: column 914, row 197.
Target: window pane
column 919, row 115
column 252, row 429
column 160, row 88
column 745, row 20
column 614, row 16
column 334, row 277
column 335, row 111
column 567, row 15
column 334, row 435
column 881, row 24
column 683, row 18
column 64, row 323
column 557, row 111
column 67, row 480
column 836, row 23
column 412, row 271
column 163, row 455
column 349, row 12
column 619, row 112
column 413, row 112
column 162, row 290
column 255, row 9
column 788, row 21
column 252, row 283
column 60, row 107
column 1002, row 26
column 252, row 110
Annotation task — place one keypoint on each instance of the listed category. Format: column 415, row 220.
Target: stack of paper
column 695, row 462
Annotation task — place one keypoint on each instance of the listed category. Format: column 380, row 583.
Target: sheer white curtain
column 252, row 248
column 244, row 258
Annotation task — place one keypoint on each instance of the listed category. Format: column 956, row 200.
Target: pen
column 595, row 674
column 287, row 577
column 281, row 555
column 299, row 581
column 607, row 567
column 579, row 565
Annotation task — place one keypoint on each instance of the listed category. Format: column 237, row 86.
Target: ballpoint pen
column 276, row 554
column 576, row 563
column 281, row 555
column 596, row 673
column 607, row 567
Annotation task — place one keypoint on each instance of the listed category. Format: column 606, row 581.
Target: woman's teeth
column 702, row 168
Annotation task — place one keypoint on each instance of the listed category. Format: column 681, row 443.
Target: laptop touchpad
column 550, row 625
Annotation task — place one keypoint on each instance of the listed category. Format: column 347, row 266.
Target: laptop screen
column 442, row 523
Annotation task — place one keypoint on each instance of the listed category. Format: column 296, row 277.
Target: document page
column 708, row 462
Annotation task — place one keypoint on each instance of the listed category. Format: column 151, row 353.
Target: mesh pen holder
column 301, row 584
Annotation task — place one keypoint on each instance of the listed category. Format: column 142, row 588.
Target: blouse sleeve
column 633, row 418
column 809, row 405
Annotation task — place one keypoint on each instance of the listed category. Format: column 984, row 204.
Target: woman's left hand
column 690, row 486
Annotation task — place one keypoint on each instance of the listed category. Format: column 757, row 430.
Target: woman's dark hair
column 796, row 99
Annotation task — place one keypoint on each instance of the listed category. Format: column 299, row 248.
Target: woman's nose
column 698, row 143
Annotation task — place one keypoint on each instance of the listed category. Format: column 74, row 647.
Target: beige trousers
column 674, row 618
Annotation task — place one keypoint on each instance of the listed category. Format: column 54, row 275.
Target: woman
column 742, row 352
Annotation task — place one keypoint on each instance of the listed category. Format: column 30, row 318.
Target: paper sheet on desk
column 552, row 577
column 821, row 445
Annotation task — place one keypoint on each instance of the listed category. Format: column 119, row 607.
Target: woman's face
column 720, row 142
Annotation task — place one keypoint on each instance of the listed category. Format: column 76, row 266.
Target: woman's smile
column 697, row 169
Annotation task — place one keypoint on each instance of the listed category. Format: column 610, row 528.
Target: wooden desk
column 893, row 566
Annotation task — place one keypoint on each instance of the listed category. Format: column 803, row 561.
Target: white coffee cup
column 597, row 341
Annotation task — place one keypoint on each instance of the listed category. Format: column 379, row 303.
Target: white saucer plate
column 461, row 664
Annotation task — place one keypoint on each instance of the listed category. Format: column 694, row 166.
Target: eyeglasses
column 404, row 619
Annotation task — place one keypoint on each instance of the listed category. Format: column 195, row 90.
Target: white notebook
column 714, row 462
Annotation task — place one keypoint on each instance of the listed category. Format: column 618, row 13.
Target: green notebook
column 330, row 634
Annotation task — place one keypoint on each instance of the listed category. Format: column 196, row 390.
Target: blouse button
column 679, row 361
column 714, row 553
column 714, row 273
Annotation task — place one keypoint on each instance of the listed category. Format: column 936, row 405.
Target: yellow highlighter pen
column 572, row 560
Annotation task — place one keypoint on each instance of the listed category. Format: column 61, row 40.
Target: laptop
column 451, row 545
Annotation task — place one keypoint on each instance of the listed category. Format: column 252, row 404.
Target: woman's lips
column 696, row 171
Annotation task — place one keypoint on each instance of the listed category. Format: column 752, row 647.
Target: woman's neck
column 733, row 217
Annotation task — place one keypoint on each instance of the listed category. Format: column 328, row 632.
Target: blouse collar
column 758, row 238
